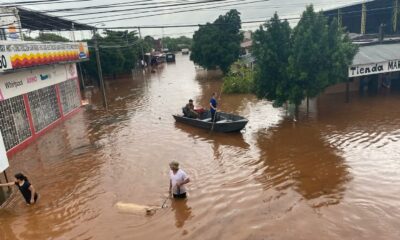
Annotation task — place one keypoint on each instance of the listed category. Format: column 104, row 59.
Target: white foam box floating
column 135, row 208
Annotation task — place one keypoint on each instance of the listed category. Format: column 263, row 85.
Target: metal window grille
column 69, row 95
column 44, row 107
column 14, row 123
column 3, row 34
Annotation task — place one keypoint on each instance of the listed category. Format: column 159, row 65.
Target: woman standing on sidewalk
column 25, row 187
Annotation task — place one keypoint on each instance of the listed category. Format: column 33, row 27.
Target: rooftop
column 35, row 20
column 377, row 53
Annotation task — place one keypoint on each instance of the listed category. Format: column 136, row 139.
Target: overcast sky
column 260, row 10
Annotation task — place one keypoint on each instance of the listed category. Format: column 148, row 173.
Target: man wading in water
column 178, row 179
column 25, row 187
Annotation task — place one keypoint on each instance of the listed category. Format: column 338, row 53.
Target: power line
column 170, row 9
column 293, row 18
column 168, row 13
column 244, row 22
column 116, row 5
column 131, row 9
column 44, row 2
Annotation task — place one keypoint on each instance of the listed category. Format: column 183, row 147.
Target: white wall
column 3, row 155
column 24, row 81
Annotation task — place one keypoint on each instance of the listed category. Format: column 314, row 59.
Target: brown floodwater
column 333, row 174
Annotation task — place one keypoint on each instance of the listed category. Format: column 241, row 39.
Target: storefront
column 375, row 67
column 38, row 88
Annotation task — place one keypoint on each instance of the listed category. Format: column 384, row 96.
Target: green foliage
column 320, row 56
column 176, row 44
column 47, row 37
column 218, row 44
column 239, row 79
column 51, row 37
column 120, row 52
column 299, row 64
column 271, row 47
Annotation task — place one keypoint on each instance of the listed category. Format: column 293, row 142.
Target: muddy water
column 333, row 174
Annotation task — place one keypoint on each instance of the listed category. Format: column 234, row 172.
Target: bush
column 239, row 79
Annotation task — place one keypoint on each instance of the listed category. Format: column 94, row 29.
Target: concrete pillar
column 363, row 18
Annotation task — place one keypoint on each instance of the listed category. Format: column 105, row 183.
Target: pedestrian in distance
column 25, row 187
column 213, row 106
column 178, row 180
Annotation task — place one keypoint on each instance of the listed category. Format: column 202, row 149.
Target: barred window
column 14, row 123
column 44, row 107
column 69, row 95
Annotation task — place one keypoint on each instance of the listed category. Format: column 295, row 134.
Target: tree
column 320, row 56
column 176, row 44
column 120, row 52
column 51, row 37
column 271, row 48
column 47, row 37
column 217, row 45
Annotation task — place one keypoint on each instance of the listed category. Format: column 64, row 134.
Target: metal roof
column 377, row 53
column 35, row 20
column 333, row 9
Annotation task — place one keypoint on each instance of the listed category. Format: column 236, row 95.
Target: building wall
column 40, row 98
column 378, row 12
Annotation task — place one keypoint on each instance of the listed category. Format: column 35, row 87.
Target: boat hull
column 225, row 122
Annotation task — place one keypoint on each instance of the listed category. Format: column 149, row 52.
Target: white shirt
column 179, row 176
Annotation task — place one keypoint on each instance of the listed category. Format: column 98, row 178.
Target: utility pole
column 363, row 18
column 79, row 64
column 100, row 72
column 395, row 15
column 142, row 43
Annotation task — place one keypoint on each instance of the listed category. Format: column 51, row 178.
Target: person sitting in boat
column 189, row 111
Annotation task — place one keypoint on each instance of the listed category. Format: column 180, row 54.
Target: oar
column 214, row 120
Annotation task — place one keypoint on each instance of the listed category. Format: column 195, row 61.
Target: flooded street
column 334, row 174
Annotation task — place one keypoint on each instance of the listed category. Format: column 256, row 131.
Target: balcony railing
column 15, row 55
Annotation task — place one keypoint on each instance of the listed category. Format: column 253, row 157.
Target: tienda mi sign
column 3, row 155
column 374, row 68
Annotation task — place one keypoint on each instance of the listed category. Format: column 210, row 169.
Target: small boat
column 224, row 122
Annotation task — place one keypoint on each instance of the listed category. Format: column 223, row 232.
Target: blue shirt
column 213, row 102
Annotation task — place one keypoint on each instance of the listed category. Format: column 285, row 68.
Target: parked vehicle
column 170, row 57
column 185, row 51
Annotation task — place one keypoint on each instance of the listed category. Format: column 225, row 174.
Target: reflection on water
column 331, row 175
column 182, row 212
column 296, row 156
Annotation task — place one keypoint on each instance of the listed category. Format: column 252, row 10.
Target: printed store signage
column 18, row 83
column 22, row 55
column 374, row 68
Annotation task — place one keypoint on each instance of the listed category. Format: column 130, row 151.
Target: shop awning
column 375, row 59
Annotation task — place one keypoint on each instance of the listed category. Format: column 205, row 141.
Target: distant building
column 245, row 49
column 38, row 81
column 374, row 26
column 369, row 16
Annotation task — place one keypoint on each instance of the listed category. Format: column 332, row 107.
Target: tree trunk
column 308, row 104
column 348, row 90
